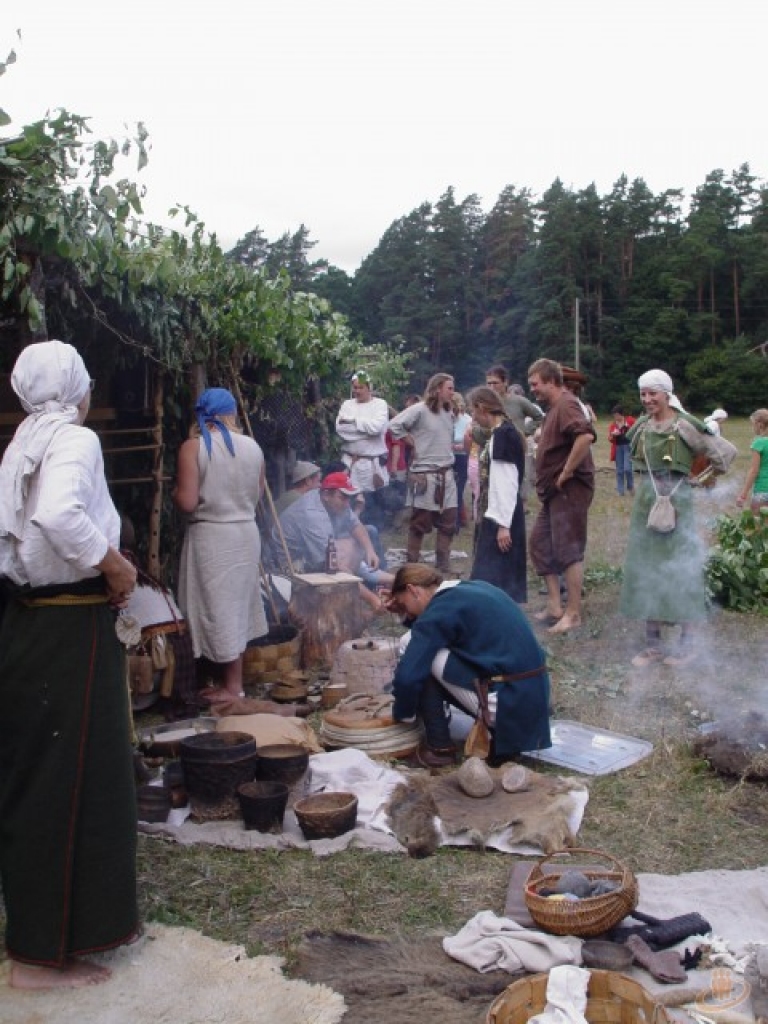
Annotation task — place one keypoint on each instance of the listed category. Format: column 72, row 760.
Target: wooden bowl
column 326, row 815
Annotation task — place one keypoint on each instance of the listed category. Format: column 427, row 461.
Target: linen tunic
column 69, row 517
column 364, row 441
column 486, row 634
column 432, row 434
column 219, row 585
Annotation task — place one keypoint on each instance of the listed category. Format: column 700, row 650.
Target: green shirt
column 760, row 445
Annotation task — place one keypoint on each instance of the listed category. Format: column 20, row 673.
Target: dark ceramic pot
column 263, row 805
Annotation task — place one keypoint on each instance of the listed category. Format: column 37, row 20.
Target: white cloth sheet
column 350, row 771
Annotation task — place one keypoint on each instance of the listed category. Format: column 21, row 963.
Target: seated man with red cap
column 321, row 515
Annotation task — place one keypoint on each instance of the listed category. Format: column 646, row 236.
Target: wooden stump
column 328, row 610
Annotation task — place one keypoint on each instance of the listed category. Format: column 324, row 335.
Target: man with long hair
column 565, row 484
column 432, row 495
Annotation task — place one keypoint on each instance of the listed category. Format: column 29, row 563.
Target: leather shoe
column 436, row 757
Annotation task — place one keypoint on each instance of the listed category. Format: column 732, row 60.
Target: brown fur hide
column 537, row 815
column 411, row 811
column 398, row 981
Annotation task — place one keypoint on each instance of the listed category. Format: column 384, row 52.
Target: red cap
column 339, row 482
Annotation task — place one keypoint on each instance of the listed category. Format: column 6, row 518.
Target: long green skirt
column 664, row 572
column 67, row 794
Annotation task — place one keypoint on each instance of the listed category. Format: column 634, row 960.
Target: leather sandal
column 647, row 657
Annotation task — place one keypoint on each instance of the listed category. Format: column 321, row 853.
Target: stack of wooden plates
column 365, row 722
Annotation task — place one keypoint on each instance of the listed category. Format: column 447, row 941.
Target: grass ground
column 667, row 814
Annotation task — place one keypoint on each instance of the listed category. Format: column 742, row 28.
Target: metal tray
column 163, row 740
column 589, row 750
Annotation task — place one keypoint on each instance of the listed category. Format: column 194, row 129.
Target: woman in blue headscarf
column 220, row 479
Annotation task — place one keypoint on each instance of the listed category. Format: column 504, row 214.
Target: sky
column 345, row 115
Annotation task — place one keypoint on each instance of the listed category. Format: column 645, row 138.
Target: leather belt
column 164, row 627
column 512, row 677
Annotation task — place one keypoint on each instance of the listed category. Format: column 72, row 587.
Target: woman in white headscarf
column 67, row 796
column 664, row 571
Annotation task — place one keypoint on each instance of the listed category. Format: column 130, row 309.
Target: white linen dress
column 219, row 585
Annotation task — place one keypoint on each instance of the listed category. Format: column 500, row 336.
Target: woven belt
column 64, row 600
column 164, row 627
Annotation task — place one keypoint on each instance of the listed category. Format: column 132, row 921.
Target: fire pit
column 736, row 746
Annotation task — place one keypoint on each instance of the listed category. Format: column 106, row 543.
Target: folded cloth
column 566, row 997
column 487, row 943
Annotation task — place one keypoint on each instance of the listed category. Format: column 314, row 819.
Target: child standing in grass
column 757, row 475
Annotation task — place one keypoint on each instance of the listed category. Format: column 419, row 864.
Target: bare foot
column 74, row 974
column 568, row 621
column 548, row 616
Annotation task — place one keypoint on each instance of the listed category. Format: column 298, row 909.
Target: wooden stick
column 155, row 515
column 267, row 491
column 268, row 585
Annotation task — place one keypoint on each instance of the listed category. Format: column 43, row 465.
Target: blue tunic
column 487, row 634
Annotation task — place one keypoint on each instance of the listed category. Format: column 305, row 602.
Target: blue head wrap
column 211, row 404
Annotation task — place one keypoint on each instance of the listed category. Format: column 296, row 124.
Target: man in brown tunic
column 565, row 484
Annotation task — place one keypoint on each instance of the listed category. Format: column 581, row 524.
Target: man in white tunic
column 362, row 425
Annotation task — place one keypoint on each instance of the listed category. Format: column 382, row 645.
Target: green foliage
column 653, row 286
column 732, row 375
column 73, row 247
column 737, row 570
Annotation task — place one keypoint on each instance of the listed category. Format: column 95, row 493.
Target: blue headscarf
column 211, row 404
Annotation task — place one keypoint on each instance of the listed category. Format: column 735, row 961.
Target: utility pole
column 576, row 336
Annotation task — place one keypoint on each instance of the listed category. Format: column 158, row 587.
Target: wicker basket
column 611, row 999
column 587, row 917
column 272, row 657
column 326, row 815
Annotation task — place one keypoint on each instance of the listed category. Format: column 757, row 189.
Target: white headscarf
column 51, row 380
column 659, row 380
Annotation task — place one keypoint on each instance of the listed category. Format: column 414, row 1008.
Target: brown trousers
column 423, row 521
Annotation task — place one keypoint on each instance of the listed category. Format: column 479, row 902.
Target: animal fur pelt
column 411, row 811
column 537, row 815
column 398, row 981
column 176, row 974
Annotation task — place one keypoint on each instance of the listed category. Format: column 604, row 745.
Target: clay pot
column 263, row 805
column 282, row 762
column 215, row 764
column 153, row 803
column 173, row 780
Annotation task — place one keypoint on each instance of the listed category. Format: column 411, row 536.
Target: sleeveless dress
column 505, row 569
column 219, row 584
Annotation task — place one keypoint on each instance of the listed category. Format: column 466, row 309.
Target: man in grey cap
column 305, row 477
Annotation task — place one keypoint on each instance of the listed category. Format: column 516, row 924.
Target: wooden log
column 328, row 610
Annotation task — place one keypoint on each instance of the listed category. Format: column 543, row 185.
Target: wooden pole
column 267, row 492
column 153, row 556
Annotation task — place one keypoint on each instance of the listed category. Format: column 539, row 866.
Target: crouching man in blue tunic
column 468, row 637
